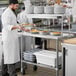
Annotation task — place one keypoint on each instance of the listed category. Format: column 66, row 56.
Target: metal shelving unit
column 57, row 38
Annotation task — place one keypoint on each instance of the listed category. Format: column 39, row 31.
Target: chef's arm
column 15, row 27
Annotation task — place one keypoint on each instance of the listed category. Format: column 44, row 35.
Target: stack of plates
column 29, row 56
column 29, row 9
column 48, row 9
column 38, row 9
column 58, row 9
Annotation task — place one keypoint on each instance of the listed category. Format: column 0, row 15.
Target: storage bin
column 47, row 58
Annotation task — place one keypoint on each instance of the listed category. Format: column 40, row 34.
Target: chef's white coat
column 10, row 37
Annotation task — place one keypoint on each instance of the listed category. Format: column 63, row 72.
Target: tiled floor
column 40, row 72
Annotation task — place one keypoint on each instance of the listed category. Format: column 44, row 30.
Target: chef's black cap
column 13, row 1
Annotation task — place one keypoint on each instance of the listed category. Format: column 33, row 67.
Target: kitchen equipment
column 48, row 9
column 29, row 56
column 47, row 57
column 29, row 9
column 69, row 57
column 58, row 9
column 38, row 9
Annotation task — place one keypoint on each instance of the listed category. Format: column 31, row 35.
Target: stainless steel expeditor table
column 57, row 38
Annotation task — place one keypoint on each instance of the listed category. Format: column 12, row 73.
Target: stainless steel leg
column 33, row 43
column 21, row 54
column 43, row 45
column 57, row 63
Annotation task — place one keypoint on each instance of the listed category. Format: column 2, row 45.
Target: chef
column 10, row 38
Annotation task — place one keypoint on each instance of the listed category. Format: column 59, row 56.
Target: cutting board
column 70, row 41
